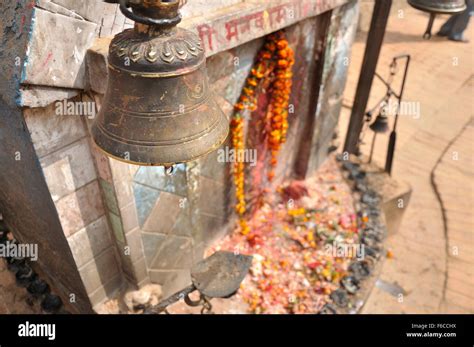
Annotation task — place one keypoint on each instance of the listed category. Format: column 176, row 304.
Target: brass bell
column 435, row 7
column 380, row 125
column 158, row 108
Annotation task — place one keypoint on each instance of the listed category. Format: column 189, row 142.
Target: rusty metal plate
column 220, row 275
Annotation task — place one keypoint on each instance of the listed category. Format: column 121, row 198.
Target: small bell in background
column 434, row 7
column 158, row 108
column 380, row 125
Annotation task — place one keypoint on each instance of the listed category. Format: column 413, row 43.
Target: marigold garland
column 279, row 102
column 276, row 58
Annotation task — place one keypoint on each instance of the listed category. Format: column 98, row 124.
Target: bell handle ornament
column 159, row 22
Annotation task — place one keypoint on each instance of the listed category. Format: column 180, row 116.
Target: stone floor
column 433, row 252
column 450, row 178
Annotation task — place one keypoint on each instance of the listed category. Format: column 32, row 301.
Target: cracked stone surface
column 455, row 169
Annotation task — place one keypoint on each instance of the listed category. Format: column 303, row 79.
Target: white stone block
column 57, row 49
column 40, row 96
column 49, row 131
column 68, row 169
column 80, row 208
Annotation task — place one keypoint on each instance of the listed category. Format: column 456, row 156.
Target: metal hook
column 202, row 301
column 161, row 22
column 193, row 303
column 206, row 306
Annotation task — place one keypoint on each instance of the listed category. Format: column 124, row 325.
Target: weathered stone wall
column 337, row 59
column 56, row 67
column 25, row 201
column 62, row 145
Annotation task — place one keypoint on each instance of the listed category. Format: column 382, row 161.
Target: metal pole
column 393, row 134
column 427, row 34
column 371, row 55
column 372, row 147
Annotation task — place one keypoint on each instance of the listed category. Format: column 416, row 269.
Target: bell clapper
column 169, row 170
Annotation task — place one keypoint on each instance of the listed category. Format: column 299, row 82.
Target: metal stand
column 380, row 125
column 371, row 55
column 393, row 134
column 372, row 147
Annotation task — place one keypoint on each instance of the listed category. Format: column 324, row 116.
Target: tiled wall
column 115, row 180
column 63, row 146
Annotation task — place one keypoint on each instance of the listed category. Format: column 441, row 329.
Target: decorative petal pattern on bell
column 158, row 108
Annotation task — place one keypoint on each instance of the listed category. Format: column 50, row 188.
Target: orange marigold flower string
column 277, row 57
column 279, row 102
